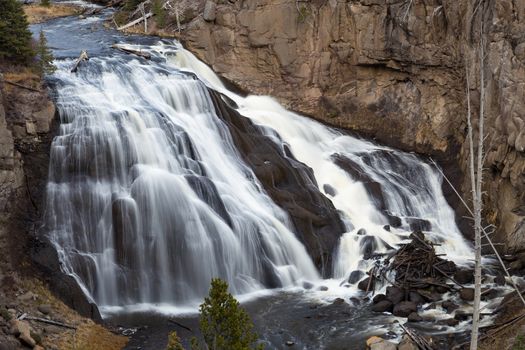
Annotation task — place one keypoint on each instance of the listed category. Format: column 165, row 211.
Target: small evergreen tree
column 223, row 323
column 45, row 3
column 157, row 8
column 44, row 64
column 15, row 37
column 174, row 342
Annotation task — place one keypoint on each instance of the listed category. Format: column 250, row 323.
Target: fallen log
column 143, row 54
column 137, row 21
column 83, row 57
column 51, row 322
column 21, row 86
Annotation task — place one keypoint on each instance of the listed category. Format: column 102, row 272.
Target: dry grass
column 38, row 14
column 88, row 335
column 23, row 76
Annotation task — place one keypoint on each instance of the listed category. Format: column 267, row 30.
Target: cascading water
column 149, row 195
column 382, row 194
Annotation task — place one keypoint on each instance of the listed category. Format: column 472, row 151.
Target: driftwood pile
column 416, row 265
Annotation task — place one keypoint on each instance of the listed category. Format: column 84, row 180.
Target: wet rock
column 393, row 220
column 339, row 301
column 489, row 293
column 378, row 298
column 449, row 306
column 368, row 246
column 289, row 343
column 515, row 266
column 464, row 276
column 414, row 317
column 466, row 294
column 386, row 228
column 500, row 280
column 462, row 316
column 395, row 294
column 45, row 309
column 366, row 284
column 383, row 306
column 329, row 190
column 361, row 232
column 416, row 298
column 404, row 308
column 355, row 276
column 323, row 288
column 417, row 224
column 307, row 285
column 452, row 322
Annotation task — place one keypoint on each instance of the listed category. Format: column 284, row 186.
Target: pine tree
column 15, row 37
column 223, row 323
column 157, row 8
column 44, row 57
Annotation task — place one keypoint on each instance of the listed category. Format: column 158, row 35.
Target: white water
column 148, row 198
column 411, row 188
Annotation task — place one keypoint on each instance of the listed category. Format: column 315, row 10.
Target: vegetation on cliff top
column 15, row 41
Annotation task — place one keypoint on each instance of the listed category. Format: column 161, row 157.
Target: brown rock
column 404, row 308
column 467, row 294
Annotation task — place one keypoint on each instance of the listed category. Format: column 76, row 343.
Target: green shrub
column 519, row 343
column 15, row 37
column 223, row 323
column 45, row 3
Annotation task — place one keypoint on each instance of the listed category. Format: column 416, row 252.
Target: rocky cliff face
column 393, row 70
column 27, row 123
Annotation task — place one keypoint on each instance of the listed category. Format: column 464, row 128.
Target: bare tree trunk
column 477, row 197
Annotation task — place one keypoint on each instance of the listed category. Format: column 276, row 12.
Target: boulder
column 378, row 298
column 449, row 306
column 500, row 280
column 210, row 11
column 355, row 276
column 307, row 285
column 329, row 190
column 45, row 309
column 323, row 288
column 363, row 285
column 416, row 298
column 414, row 317
column 383, row 306
column 407, row 344
column 395, row 294
column 339, row 301
column 462, row 316
column 467, row 294
column 464, row 276
column 383, row 345
column 404, row 308
column 452, row 322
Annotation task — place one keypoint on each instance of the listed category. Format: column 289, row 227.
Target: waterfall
column 151, row 195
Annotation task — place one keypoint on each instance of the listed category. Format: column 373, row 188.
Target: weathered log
column 143, row 54
column 83, row 57
column 51, row 322
column 137, row 21
column 21, row 86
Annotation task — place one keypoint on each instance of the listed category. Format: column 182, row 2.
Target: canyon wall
column 391, row 70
